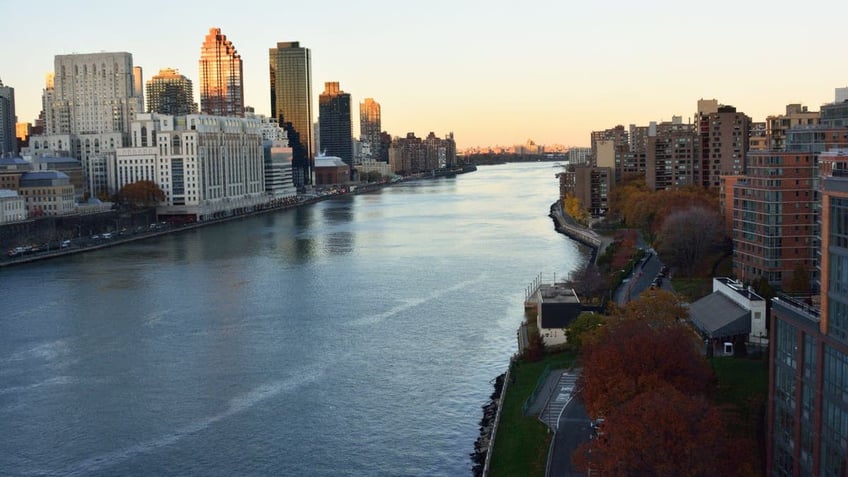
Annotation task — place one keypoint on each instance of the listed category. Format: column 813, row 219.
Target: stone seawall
column 566, row 226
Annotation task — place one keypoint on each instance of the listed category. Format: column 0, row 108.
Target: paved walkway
column 565, row 416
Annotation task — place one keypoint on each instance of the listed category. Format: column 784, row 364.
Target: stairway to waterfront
column 560, row 396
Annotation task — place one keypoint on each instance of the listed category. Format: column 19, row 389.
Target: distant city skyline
column 490, row 73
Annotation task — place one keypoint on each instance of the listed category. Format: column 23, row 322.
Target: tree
column 571, row 205
column 141, row 194
column 658, row 307
column 686, row 235
column 630, row 356
column 585, row 323
column 662, row 432
column 800, row 282
column 587, row 281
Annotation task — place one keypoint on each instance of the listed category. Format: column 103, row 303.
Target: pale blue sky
column 493, row 72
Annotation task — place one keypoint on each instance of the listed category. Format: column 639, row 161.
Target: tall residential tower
column 221, row 76
column 291, row 104
column 8, row 142
column 89, row 102
column 169, row 92
column 369, row 129
column 336, row 129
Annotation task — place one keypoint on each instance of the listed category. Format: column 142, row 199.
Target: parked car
column 66, row 243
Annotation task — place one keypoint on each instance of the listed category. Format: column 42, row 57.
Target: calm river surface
column 356, row 336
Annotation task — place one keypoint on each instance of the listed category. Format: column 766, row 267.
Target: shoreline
column 172, row 229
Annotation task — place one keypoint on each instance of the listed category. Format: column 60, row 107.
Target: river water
column 355, row 336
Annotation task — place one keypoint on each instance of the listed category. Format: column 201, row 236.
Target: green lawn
column 521, row 445
column 743, row 393
column 692, row 288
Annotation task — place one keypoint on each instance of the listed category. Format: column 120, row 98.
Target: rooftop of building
column 13, row 161
column 739, row 288
column 717, row 316
column 558, row 293
column 329, row 161
column 8, row 193
column 58, row 160
column 42, row 175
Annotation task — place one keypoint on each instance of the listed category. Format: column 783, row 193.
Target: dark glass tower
column 291, row 103
column 336, row 129
column 169, row 92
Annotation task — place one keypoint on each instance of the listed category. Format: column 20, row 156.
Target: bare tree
column 687, row 235
column 587, row 281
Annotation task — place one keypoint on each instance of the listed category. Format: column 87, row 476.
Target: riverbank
column 567, row 226
column 84, row 245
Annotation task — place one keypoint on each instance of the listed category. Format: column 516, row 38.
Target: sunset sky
column 493, row 72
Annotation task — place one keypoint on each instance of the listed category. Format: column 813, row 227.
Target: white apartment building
column 12, row 207
column 208, row 166
column 89, row 102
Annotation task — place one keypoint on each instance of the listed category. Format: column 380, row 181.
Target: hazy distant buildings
column 369, row 129
column 89, row 102
column 169, row 92
column 221, row 76
column 291, row 103
column 8, row 120
column 208, row 166
column 335, row 124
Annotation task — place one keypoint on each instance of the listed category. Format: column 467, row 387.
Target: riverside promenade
column 565, row 225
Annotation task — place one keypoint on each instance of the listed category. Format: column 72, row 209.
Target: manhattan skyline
column 489, row 72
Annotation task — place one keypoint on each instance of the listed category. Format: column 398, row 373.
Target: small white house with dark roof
column 732, row 313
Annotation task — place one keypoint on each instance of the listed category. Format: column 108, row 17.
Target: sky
column 492, row 72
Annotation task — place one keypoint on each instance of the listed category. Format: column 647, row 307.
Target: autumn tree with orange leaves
column 663, row 432
column 644, row 373
column 636, row 353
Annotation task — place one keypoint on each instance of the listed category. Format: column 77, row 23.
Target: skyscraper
column 8, row 120
column 369, row 129
column 138, row 85
column 291, row 104
column 221, row 76
column 169, row 92
column 335, row 124
column 89, row 102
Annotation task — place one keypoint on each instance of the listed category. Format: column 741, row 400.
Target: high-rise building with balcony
column 336, row 129
column 777, row 126
column 89, row 102
column 724, row 141
column 221, row 76
column 290, row 68
column 8, row 120
column 369, row 129
column 808, row 359
column 774, row 218
column 169, row 92
column 672, row 155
